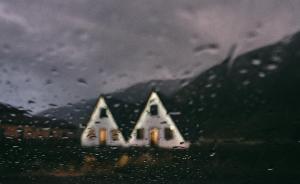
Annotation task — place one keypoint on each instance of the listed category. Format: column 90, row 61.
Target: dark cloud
column 48, row 46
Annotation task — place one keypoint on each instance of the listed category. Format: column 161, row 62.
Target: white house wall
column 161, row 121
column 108, row 123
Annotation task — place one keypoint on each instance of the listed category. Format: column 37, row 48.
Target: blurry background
column 62, row 51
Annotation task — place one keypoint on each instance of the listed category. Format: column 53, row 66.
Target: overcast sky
column 61, row 51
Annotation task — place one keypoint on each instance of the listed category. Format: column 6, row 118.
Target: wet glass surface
column 200, row 91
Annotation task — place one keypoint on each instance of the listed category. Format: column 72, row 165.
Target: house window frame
column 140, row 133
column 103, row 113
column 114, row 133
column 168, row 134
column 153, row 110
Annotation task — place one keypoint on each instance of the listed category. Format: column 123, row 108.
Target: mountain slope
column 133, row 96
column 12, row 115
column 254, row 98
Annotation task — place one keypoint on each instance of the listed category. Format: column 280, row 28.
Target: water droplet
column 48, row 81
column 82, row 81
column 117, row 105
column 213, row 95
column 30, row 102
column 271, row 67
column 243, row 71
column 246, row 82
column 276, row 59
column 54, row 71
column 184, row 83
column 6, row 48
column 208, row 85
column 261, row 74
column 256, row 62
column 270, row 169
column 212, row 154
column 52, row 105
column 212, row 47
column 158, row 67
column 211, row 77
column 252, row 34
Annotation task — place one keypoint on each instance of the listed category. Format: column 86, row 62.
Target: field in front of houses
column 66, row 162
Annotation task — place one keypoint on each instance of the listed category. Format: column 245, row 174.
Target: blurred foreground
column 66, row 162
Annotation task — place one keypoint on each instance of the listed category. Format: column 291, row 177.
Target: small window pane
column 168, row 134
column 140, row 133
column 103, row 113
column 91, row 134
column 115, row 135
column 153, row 110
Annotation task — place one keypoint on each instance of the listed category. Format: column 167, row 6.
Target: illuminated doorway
column 102, row 136
column 154, row 136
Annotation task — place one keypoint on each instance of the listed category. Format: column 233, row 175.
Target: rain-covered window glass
column 150, row 91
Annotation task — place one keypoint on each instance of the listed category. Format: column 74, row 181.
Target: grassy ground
column 66, row 162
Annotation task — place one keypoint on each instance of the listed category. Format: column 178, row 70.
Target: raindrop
column 213, row 95
column 175, row 113
column 52, row 105
column 116, row 105
column 186, row 72
column 271, row 67
column 184, row 83
column 30, row 102
column 212, row 154
column 270, row 169
column 276, row 59
column 6, row 48
column 243, row 71
column 211, row 77
column 82, row 81
column 208, row 85
column 158, row 67
column 256, row 62
column 246, row 82
column 100, row 70
column 200, row 109
column 122, row 75
column 261, row 74
column 207, row 47
column 82, row 35
column 48, row 81
column 54, row 71
column 252, row 34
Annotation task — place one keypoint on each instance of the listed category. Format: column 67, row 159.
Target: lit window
column 91, row 134
column 140, row 133
column 115, row 135
column 168, row 134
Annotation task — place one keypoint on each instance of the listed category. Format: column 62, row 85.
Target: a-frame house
column 102, row 128
column 155, row 127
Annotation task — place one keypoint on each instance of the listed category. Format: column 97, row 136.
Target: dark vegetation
column 67, row 162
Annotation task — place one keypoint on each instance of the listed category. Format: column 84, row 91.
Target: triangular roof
column 108, row 122
column 164, row 118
